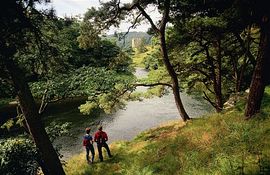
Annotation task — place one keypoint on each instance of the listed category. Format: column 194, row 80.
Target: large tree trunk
column 161, row 32
column 51, row 160
column 175, row 85
column 217, row 85
column 261, row 71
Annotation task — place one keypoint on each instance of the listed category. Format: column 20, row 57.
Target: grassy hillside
column 219, row 144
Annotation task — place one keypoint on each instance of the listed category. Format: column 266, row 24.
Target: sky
column 79, row 7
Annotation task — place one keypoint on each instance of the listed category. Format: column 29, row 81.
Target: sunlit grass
column 219, row 144
column 138, row 58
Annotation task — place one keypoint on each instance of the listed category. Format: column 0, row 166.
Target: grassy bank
column 219, row 144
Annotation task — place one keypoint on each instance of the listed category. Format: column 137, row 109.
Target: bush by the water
column 18, row 156
column 216, row 144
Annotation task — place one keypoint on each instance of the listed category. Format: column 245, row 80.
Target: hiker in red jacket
column 88, row 144
column 101, row 138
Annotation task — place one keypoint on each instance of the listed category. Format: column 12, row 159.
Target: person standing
column 88, row 144
column 101, row 138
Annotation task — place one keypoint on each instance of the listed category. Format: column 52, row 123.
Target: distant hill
column 126, row 41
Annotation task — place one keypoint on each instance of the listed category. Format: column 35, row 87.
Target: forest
column 217, row 51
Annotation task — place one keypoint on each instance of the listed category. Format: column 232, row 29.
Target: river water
column 135, row 118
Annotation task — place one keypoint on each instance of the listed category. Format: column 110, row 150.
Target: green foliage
column 109, row 96
column 138, row 58
column 84, row 71
column 18, row 156
column 159, row 75
column 95, row 22
column 103, row 87
column 8, row 124
column 5, row 91
column 88, row 38
column 56, row 130
column 196, row 46
column 142, row 46
column 4, row 101
column 153, row 59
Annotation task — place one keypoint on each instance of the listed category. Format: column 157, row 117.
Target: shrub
column 18, row 156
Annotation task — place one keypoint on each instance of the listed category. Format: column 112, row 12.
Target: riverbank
column 219, row 144
column 135, row 118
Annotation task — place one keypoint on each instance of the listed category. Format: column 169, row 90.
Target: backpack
column 101, row 138
column 86, row 140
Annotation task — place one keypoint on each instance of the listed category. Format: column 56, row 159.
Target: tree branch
column 118, row 95
column 209, row 100
column 154, row 84
column 208, row 87
column 132, row 26
column 194, row 68
column 165, row 16
column 43, row 101
column 246, row 50
column 147, row 17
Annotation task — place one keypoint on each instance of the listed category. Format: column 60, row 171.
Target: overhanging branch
column 154, row 84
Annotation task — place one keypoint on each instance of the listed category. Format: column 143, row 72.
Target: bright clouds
column 79, row 7
column 71, row 7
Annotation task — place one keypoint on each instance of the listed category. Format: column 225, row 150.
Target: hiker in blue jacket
column 88, row 144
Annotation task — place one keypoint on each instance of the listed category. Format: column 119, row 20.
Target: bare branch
column 246, row 50
column 208, row 87
column 132, row 26
column 209, row 100
column 20, row 114
column 154, row 84
column 147, row 17
column 43, row 100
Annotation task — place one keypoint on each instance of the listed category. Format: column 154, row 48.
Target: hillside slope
column 218, row 144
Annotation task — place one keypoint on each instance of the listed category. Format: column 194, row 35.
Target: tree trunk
column 33, row 121
column 241, row 75
column 161, row 32
column 217, row 80
column 261, row 71
column 248, row 57
column 173, row 75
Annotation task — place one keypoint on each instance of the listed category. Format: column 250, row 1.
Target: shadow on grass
column 264, row 168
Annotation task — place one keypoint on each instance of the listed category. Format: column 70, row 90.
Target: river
column 136, row 117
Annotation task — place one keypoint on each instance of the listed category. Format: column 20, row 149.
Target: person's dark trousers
column 105, row 145
column 90, row 148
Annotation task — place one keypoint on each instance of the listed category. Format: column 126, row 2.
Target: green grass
column 219, row 144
